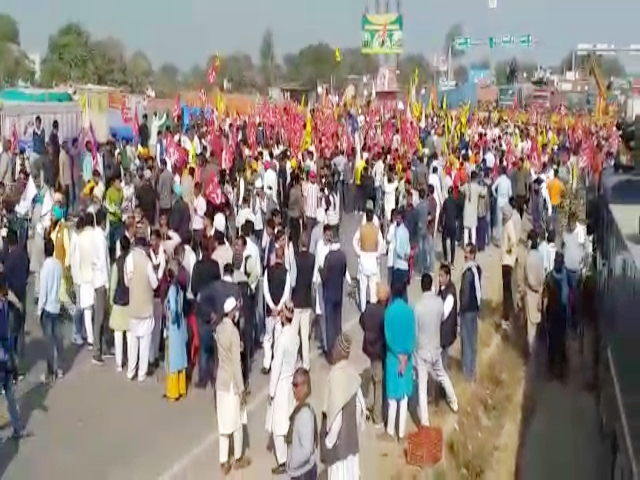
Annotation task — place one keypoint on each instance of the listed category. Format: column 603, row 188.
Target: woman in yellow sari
column 176, row 338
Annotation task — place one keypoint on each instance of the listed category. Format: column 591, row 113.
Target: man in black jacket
column 332, row 274
column 277, row 290
column 180, row 216
column 205, row 274
column 448, row 226
column 15, row 273
column 374, row 347
column 449, row 328
column 470, row 300
column 302, row 297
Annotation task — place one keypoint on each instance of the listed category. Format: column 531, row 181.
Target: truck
column 632, row 106
column 616, row 220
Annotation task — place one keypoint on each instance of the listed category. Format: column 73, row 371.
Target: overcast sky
column 187, row 32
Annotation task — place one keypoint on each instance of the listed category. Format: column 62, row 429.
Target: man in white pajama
column 141, row 278
column 429, row 313
column 368, row 244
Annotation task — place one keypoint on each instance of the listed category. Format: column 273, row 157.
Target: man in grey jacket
column 302, row 437
column 429, row 312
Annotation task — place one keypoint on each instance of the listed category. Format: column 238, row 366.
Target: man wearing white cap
column 141, row 278
column 220, row 222
column 230, row 394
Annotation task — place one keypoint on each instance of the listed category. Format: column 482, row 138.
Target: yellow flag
column 416, row 110
column 302, row 102
column 220, row 106
column 444, row 102
column 84, row 103
column 464, row 116
column 338, row 57
column 415, row 78
column 306, row 140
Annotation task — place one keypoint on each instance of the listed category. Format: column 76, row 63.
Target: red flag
column 175, row 154
column 212, row 190
column 125, row 114
column 14, row 137
column 94, row 146
column 177, row 109
column 136, row 125
column 534, row 154
column 212, row 74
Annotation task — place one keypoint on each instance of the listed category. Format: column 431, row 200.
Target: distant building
column 293, row 91
column 36, row 61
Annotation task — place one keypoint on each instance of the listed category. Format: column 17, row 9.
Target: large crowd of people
column 196, row 265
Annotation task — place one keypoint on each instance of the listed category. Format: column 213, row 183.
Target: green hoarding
column 381, row 34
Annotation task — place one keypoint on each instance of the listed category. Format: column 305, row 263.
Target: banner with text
column 381, row 34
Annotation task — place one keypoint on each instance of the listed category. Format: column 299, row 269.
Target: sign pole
column 449, row 64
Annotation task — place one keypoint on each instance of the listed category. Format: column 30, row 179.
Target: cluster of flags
column 212, row 76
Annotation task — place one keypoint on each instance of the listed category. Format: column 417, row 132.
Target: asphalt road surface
column 96, row 424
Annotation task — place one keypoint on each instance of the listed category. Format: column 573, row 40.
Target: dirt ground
column 386, row 460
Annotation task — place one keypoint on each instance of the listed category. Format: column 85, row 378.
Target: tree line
column 73, row 56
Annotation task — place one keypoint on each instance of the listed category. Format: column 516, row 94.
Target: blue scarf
column 564, row 285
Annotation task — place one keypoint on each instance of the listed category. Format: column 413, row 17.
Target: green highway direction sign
column 525, row 40
column 510, row 40
column 507, row 40
column 462, row 43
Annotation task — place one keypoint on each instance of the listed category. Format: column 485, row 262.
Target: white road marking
column 211, row 439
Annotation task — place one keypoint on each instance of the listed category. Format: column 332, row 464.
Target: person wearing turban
column 180, row 217
column 343, row 414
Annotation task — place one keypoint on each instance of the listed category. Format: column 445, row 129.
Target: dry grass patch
column 470, row 448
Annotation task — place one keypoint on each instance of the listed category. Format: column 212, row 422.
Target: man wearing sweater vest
column 142, row 280
column 368, row 244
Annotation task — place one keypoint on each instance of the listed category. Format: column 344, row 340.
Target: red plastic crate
column 424, row 447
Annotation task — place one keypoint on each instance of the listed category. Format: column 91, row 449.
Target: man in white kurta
column 86, row 257
column 42, row 220
column 440, row 195
column 343, row 410
column 368, row 244
column 141, row 278
column 230, row 394
column 281, row 399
